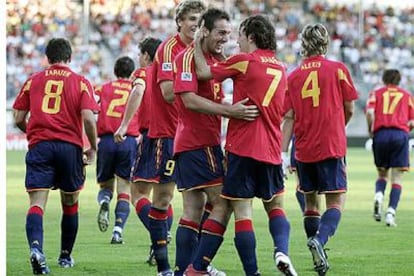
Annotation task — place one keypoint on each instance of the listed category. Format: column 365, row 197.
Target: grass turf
column 361, row 246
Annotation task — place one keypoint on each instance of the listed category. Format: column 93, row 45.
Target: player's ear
column 147, row 57
column 205, row 31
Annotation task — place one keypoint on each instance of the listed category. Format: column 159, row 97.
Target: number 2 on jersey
column 117, row 102
column 277, row 75
column 311, row 88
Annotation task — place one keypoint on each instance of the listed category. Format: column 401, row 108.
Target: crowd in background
column 116, row 27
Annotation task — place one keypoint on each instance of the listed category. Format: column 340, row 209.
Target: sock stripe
column 170, row 211
column 277, row 212
column 35, row 210
column 188, row 224
column 124, row 196
column 243, row 225
column 396, row 186
column 158, row 214
column 141, row 203
column 213, row 227
column 70, row 210
column 311, row 213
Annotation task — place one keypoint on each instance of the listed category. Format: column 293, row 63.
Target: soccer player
column 60, row 102
column 139, row 101
column 318, row 104
column 390, row 116
column 114, row 160
column 253, row 147
column 197, row 148
column 162, row 130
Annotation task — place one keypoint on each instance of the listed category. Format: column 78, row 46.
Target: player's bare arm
column 134, row 101
column 20, row 117
column 238, row 110
column 287, row 131
column 167, row 91
column 91, row 132
column 370, row 119
column 202, row 68
column 349, row 111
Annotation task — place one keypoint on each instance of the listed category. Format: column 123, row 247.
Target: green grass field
column 361, row 246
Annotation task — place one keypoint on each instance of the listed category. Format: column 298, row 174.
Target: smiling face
column 188, row 26
column 218, row 36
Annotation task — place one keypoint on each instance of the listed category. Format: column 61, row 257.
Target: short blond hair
column 187, row 6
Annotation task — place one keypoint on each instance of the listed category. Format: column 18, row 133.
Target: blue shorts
column 249, row 178
column 391, row 149
column 54, row 165
column 159, row 167
column 115, row 158
column 327, row 176
column 197, row 169
column 142, row 161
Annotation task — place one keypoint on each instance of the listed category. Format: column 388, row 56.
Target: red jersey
column 317, row 90
column 113, row 98
column 140, row 76
column 393, row 107
column 260, row 77
column 55, row 98
column 165, row 121
column 195, row 130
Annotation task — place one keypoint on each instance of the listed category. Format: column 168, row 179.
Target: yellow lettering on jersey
column 310, row 65
column 240, row 66
column 55, row 72
column 122, row 85
column 271, row 60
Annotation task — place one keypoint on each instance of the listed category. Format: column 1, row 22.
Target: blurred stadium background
column 368, row 36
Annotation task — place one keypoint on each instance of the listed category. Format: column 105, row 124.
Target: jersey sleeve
column 88, row 98
column 164, row 59
column 139, row 77
column 22, row 101
column 411, row 107
column 370, row 101
column 185, row 78
column 234, row 65
column 346, row 84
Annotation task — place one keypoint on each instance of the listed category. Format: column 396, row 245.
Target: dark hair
column 58, row 50
column 186, row 7
column 149, row 45
column 391, row 76
column 261, row 30
column 211, row 15
column 124, row 66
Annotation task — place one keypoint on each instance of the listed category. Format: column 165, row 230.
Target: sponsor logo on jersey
column 167, row 66
column 186, row 76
